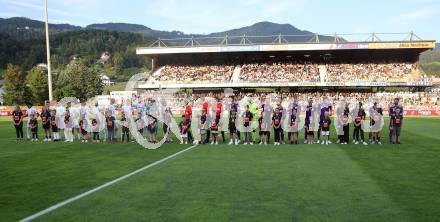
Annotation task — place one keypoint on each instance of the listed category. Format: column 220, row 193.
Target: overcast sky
column 203, row 16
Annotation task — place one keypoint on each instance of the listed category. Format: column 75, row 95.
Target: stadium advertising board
column 419, row 83
column 335, row 84
column 164, row 50
column 273, row 84
column 357, row 84
column 414, row 45
column 401, row 45
column 274, row 47
column 378, row 83
column 307, row 84
column 368, row 83
column 103, row 100
column 352, row 46
column 287, row 47
column 120, row 96
column 305, row 47
column 248, row 48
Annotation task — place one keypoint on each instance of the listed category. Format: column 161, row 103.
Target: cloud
column 249, row 2
column 194, row 16
column 9, row 14
column 416, row 15
column 32, row 4
column 277, row 8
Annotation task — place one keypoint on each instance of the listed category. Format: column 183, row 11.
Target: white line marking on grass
column 61, row 204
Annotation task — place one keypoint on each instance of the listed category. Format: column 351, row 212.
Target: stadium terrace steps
column 322, row 73
column 236, row 74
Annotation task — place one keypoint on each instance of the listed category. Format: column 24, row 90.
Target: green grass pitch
column 226, row 183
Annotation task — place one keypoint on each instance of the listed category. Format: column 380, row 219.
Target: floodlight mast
column 49, row 70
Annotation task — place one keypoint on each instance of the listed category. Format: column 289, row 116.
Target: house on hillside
column 104, row 58
column 75, row 57
column 43, row 66
column 106, row 81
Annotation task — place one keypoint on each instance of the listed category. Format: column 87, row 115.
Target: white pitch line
column 61, row 204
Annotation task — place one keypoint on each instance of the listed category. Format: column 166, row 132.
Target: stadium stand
column 280, row 72
column 370, row 66
column 286, row 72
column 203, row 73
column 368, row 72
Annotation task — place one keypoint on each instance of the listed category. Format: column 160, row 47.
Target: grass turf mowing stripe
column 38, row 175
column 244, row 183
column 61, row 204
column 411, row 173
column 384, row 202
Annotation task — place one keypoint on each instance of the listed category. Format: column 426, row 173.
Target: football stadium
column 280, row 127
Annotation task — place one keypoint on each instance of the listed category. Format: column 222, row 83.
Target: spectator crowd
column 280, row 72
column 207, row 73
column 288, row 72
column 370, row 72
column 411, row 100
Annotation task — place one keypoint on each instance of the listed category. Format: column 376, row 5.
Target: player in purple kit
column 293, row 122
column 325, row 107
column 309, row 113
column 234, row 106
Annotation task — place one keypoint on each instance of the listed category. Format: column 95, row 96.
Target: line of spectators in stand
column 413, row 100
column 203, row 73
column 371, row 72
column 291, row 72
column 280, row 72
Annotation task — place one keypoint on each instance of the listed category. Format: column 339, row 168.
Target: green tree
column 432, row 68
column 37, row 81
column 78, row 80
column 88, row 44
column 118, row 61
column 2, row 72
column 14, row 86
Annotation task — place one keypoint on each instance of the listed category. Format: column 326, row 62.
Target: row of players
column 49, row 123
column 147, row 124
column 272, row 122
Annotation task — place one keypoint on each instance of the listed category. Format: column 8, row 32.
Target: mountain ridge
column 36, row 28
column 23, row 28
